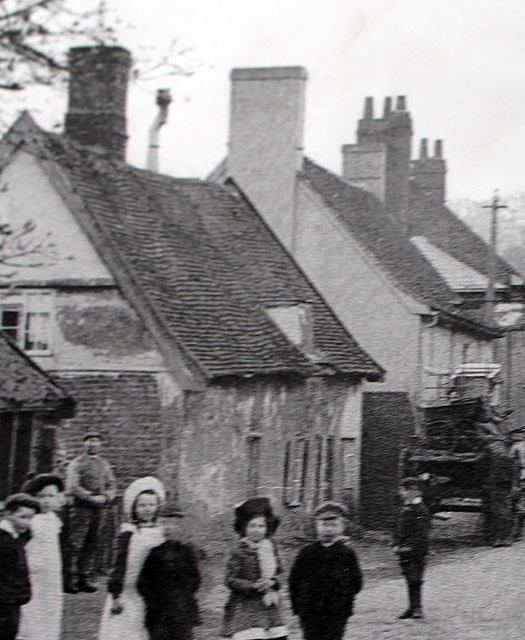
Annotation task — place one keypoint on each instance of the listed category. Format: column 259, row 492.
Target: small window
column 29, row 329
column 295, row 472
column 36, row 332
column 296, row 322
column 309, row 471
column 10, row 320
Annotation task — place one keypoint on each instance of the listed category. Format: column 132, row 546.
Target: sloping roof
column 364, row 218
column 458, row 275
column 197, row 257
column 362, row 214
column 24, row 386
column 448, row 232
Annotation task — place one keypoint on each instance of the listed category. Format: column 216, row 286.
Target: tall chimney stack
column 380, row 161
column 98, row 88
column 266, row 141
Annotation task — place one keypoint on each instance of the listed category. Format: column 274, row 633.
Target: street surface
column 472, row 593
column 479, row 596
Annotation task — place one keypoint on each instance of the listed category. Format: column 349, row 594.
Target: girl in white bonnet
column 124, row 611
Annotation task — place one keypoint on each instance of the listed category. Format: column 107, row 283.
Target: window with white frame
column 26, row 321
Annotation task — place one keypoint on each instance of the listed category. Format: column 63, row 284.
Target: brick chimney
column 266, row 141
column 380, row 162
column 97, row 97
column 427, row 174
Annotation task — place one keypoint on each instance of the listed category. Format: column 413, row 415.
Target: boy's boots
column 414, row 597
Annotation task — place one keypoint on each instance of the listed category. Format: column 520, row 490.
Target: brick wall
column 125, row 409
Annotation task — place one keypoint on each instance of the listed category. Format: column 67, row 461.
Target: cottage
column 184, row 330
column 391, row 287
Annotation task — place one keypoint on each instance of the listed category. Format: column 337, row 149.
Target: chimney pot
column 163, row 97
column 98, row 87
column 369, row 108
column 401, row 103
column 423, row 149
column 388, row 107
column 438, row 149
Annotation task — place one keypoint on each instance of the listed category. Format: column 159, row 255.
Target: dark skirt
column 248, row 618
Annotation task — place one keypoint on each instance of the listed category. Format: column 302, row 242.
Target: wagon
column 463, row 455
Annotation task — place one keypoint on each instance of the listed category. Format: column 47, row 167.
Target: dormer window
column 296, row 322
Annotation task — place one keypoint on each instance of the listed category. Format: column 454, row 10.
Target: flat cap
column 92, row 434
column 330, row 511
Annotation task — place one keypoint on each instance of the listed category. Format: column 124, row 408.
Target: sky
column 460, row 64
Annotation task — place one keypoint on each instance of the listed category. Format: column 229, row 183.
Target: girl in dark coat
column 252, row 611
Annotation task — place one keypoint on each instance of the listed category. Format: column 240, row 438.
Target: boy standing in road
column 15, row 588
column 325, row 577
column 411, row 543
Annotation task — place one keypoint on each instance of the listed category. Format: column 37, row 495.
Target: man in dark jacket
column 411, row 542
column 168, row 582
column 15, row 588
column 325, row 577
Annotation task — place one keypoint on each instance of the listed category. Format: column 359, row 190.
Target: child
column 325, row 577
column 252, row 611
column 411, row 543
column 124, row 612
column 41, row 618
column 15, row 588
column 168, row 582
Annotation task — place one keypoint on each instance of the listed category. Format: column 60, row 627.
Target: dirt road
column 472, row 593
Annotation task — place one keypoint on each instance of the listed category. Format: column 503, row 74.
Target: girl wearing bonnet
column 124, row 612
column 252, row 611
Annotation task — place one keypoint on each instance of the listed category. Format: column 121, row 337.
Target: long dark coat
column 324, row 581
column 245, row 608
column 168, row 582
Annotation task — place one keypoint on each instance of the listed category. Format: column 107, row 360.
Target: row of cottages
column 32, row 406
column 382, row 251
column 173, row 316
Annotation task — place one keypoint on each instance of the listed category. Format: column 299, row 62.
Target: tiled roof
column 448, row 232
column 23, row 385
column 199, row 259
column 458, row 275
column 378, row 234
column 364, row 218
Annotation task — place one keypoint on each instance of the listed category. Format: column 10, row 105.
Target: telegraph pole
column 493, row 264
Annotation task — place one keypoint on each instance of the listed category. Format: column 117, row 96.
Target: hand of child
column 117, row 607
column 98, row 499
column 263, row 585
column 405, row 549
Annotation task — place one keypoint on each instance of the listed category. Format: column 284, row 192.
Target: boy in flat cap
column 411, row 542
column 325, row 577
column 91, row 484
